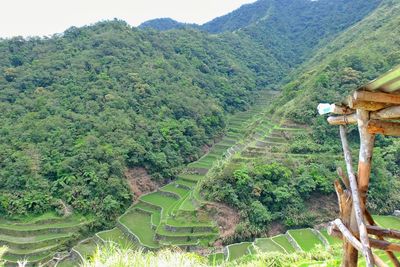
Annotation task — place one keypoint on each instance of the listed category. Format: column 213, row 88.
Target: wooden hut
column 375, row 108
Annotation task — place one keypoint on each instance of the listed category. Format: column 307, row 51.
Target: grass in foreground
column 112, row 255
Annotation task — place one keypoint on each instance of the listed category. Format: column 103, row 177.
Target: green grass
column 174, row 188
column 189, row 184
column 306, row 239
column 191, row 177
column 33, row 239
column 147, row 207
column 388, row 222
column 267, row 245
column 140, row 225
column 216, row 258
column 68, row 262
column 156, row 218
column 32, row 219
column 331, row 240
column 28, row 252
column 188, row 205
column 284, row 242
column 35, row 258
column 86, row 248
column 160, row 200
column 238, row 250
column 188, row 222
column 161, row 231
column 117, row 236
column 65, row 223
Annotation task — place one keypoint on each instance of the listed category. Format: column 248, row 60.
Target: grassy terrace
column 306, row 238
column 284, row 242
column 117, row 236
column 11, row 240
column 331, row 240
column 388, row 222
column 37, row 239
column 268, row 245
column 139, row 224
column 86, row 248
column 175, row 189
column 236, row 251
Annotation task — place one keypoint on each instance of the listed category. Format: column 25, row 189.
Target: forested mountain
column 287, row 29
column 165, row 24
column 78, row 109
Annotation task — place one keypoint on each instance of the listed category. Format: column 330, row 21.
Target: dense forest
column 77, row 110
column 80, row 108
column 353, row 58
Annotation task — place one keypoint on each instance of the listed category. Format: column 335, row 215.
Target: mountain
column 291, row 30
column 78, row 110
column 165, row 24
column 286, row 29
column 354, row 57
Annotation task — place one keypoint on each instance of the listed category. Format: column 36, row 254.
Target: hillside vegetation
column 221, row 112
column 80, row 108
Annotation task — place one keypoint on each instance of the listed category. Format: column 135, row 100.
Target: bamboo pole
column 358, row 212
column 355, row 243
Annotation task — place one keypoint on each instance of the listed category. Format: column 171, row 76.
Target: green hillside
column 221, row 117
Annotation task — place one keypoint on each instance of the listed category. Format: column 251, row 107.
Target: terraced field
column 171, row 216
column 38, row 239
column 296, row 240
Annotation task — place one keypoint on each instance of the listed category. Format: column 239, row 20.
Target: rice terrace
column 223, row 133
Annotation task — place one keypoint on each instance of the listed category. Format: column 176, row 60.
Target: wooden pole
column 375, row 243
column 383, row 127
column 365, row 105
column 387, row 113
column 378, row 231
column 367, row 141
column 372, row 225
column 342, row 120
column 360, row 228
column 376, row 97
column 355, row 243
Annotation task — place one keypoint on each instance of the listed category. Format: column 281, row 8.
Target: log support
column 357, row 223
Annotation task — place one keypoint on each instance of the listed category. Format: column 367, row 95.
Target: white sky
column 45, row 17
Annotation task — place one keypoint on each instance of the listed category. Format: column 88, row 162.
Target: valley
column 217, row 122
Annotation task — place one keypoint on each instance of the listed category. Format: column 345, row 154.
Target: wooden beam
column 367, row 141
column 383, row 127
column 389, row 113
column 359, row 215
column 344, row 177
column 342, row 110
column 372, row 223
column 375, row 243
column 365, row 105
column 378, row 231
column 342, row 120
column 355, row 243
column 376, row 97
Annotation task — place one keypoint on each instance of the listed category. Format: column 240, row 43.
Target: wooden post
column 357, row 226
column 354, row 241
column 366, row 147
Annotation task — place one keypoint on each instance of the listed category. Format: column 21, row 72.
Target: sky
column 46, row 17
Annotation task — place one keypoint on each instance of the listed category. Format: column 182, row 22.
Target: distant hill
column 164, row 24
